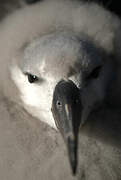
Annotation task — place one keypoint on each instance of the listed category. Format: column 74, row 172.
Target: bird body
column 70, row 40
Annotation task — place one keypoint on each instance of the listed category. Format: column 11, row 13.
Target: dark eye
column 32, row 78
column 94, row 74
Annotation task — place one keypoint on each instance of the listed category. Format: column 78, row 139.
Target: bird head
column 67, row 73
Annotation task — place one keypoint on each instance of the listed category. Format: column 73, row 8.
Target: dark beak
column 66, row 109
column 72, row 153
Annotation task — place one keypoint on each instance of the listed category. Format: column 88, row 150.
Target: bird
column 60, row 63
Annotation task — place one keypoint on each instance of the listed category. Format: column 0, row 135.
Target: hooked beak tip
column 72, row 153
column 74, row 168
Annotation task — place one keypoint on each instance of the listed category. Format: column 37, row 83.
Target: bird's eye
column 59, row 104
column 32, row 78
column 94, row 74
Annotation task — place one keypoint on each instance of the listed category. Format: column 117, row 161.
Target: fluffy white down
column 28, row 23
